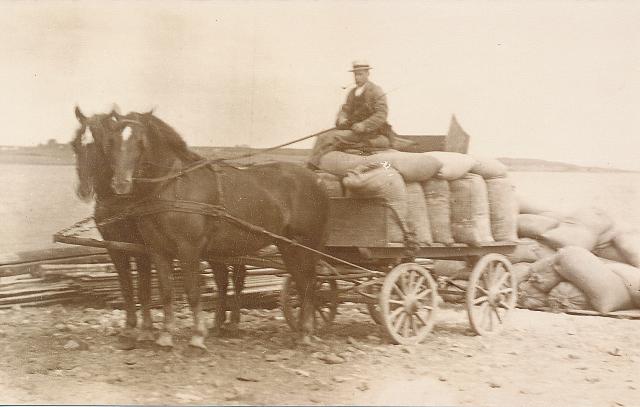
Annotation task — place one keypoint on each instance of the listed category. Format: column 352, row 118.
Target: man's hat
column 360, row 65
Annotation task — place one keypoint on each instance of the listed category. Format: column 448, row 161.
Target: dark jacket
column 370, row 108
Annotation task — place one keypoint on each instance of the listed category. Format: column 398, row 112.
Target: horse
column 94, row 181
column 195, row 208
column 94, row 178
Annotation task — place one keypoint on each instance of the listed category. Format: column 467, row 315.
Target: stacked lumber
column 26, row 291
column 97, row 284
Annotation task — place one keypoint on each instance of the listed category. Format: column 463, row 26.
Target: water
column 39, row 200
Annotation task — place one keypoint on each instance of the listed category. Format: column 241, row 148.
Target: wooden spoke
column 423, row 294
column 502, row 279
column 399, row 322
column 399, row 290
column 490, row 315
column 412, row 324
column 480, row 300
column 418, row 284
column 405, row 326
column 503, row 305
column 412, row 275
column 397, row 302
column 421, row 318
column 396, row 312
column 495, row 310
column 482, row 289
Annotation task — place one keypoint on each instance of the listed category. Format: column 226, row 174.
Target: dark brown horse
column 94, row 182
column 280, row 198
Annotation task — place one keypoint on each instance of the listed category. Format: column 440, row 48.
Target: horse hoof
column 146, row 336
column 306, row 340
column 198, row 342
column 126, row 343
column 165, row 340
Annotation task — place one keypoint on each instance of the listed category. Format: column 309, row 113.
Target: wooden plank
column 22, row 257
column 41, row 303
column 17, row 292
column 38, row 296
column 85, row 241
column 361, row 223
column 625, row 314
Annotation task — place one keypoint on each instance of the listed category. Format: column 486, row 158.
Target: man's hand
column 358, row 128
column 342, row 123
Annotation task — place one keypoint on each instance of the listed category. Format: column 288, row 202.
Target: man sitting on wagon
column 361, row 123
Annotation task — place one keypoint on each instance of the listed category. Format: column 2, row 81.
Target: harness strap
column 146, row 208
column 194, row 166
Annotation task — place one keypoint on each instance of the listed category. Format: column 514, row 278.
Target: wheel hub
column 410, row 304
column 494, row 296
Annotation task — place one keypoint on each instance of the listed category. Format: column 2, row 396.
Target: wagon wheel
column 491, row 294
column 325, row 303
column 372, row 307
column 408, row 303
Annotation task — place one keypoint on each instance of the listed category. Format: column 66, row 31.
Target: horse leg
column 190, row 265
column 239, row 275
column 121, row 262
column 221, row 275
column 301, row 265
column 144, row 295
column 163, row 268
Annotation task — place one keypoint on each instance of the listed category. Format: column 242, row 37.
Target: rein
column 204, row 162
column 183, row 171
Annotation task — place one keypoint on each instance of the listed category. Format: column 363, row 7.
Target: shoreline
column 63, row 161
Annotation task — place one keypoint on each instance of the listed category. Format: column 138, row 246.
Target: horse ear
column 81, row 117
column 115, row 112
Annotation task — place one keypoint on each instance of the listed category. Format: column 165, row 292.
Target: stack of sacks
column 451, row 197
column 576, row 279
column 566, row 261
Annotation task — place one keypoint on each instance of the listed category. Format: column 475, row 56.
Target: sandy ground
column 70, row 355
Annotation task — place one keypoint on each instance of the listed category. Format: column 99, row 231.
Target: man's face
column 361, row 77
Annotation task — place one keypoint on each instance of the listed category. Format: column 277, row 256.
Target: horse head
column 128, row 144
column 142, row 145
column 90, row 151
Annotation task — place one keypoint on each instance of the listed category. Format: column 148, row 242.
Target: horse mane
column 163, row 132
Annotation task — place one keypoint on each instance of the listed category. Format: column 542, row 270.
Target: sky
column 555, row 80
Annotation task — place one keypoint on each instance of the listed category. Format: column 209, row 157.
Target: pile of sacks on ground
column 440, row 197
column 579, row 261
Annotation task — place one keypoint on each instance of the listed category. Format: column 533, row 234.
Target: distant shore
column 62, row 154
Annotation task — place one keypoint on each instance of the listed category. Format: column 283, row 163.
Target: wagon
column 399, row 286
column 366, row 262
